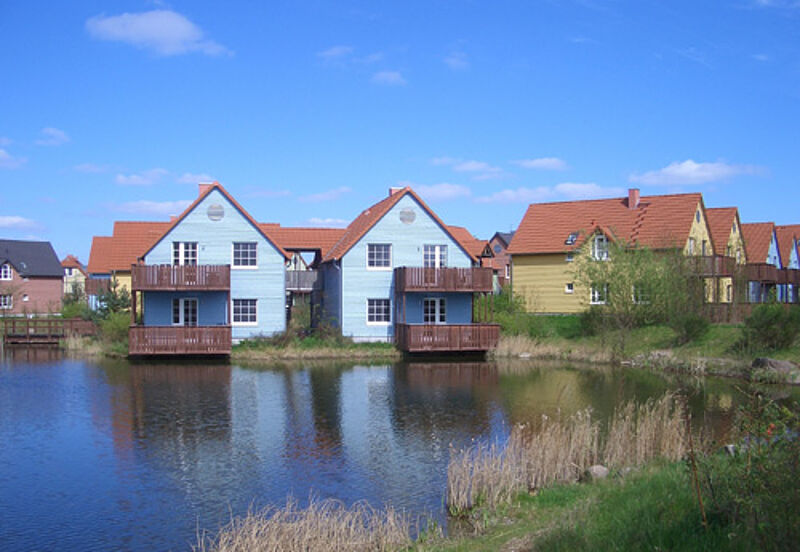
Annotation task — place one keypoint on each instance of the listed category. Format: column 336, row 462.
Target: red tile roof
column 657, row 222
column 100, row 255
column 757, row 237
column 304, row 239
column 71, row 261
column 369, row 217
column 132, row 240
column 787, row 236
column 720, row 223
column 476, row 247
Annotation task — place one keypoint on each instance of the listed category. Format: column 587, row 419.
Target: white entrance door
column 434, row 311
column 184, row 312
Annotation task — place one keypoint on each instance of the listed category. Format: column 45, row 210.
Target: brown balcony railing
column 762, row 272
column 179, row 340
column 409, row 279
column 419, row 338
column 96, row 286
column 715, row 265
column 790, row 276
column 177, row 278
column 303, row 280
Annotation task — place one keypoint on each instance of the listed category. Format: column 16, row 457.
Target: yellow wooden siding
column 699, row 231
column 542, row 279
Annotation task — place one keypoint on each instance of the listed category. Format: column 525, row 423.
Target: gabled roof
column 31, row 258
column 475, row 246
column 787, row 235
column 757, row 237
column 129, row 241
column 504, row 237
column 71, row 261
column 304, row 239
column 720, row 222
column 100, row 255
column 206, row 189
column 369, row 217
column 658, row 222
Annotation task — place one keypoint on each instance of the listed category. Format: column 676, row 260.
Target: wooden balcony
column 441, row 338
column 790, row 276
column 715, row 265
column 303, row 281
column 179, row 340
column 415, row 279
column 180, row 278
column 97, row 286
column 762, row 272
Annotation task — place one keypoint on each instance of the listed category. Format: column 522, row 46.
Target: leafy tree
column 114, row 300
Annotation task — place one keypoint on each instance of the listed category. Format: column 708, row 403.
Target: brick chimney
column 395, row 189
column 203, row 187
column 633, row 198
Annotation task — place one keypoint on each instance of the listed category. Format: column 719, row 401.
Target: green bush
column 114, row 328
column 77, row 310
column 689, row 327
column 591, row 321
column 770, row 327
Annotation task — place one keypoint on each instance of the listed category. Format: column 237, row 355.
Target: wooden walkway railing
column 43, row 330
column 175, row 278
column 179, row 340
column 303, row 280
column 414, row 278
column 417, row 338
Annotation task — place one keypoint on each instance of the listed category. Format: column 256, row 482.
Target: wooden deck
column 179, row 340
column 415, row 279
column 303, row 281
column 762, row 272
column 181, row 278
column 43, row 331
column 440, row 338
column 715, row 265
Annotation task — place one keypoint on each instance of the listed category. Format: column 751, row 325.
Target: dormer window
column 600, row 248
column 573, row 236
column 5, row 272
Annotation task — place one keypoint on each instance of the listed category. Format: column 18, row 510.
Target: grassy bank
column 312, row 348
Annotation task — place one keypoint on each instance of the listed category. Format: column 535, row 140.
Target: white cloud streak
column 145, row 178
column 329, row 222
column 52, row 137
column 89, row 168
column 163, row 32
column 16, row 223
column 519, row 195
column 689, row 172
column 146, row 207
column 192, row 178
column 589, row 190
column 389, row 78
column 562, row 191
column 542, row 163
column 8, row 161
column 439, row 192
column 335, row 52
column 457, row 61
column 330, row 195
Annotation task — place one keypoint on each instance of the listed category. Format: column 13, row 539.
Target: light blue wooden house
column 764, row 262
column 215, row 276
column 399, row 274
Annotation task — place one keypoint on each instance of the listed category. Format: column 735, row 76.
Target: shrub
column 689, row 327
column 114, row 328
column 771, row 327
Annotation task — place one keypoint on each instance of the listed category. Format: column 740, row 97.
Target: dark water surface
column 118, row 456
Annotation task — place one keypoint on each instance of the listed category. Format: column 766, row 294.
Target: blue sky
column 307, row 112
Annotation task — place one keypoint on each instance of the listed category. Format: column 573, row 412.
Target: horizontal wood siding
column 458, row 307
column 167, row 277
column 418, row 338
column 179, row 340
column 542, row 279
column 417, row 278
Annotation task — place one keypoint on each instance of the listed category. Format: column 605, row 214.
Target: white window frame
column 600, row 253
column 182, row 311
column 5, row 272
column 508, row 271
column 439, row 310
column 244, row 266
column 233, row 312
column 438, row 253
column 640, row 297
column 570, row 257
column 594, row 297
column 181, row 251
column 379, row 267
column 388, row 310
column 6, row 302
column 569, row 287
column 691, row 246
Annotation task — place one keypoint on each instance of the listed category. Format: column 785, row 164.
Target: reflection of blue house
column 214, row 276
column 400, row 274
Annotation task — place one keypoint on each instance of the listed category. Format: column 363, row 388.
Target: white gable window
column 434, row 256
column 245, row 255
column 5, row 271
column 379, row 311
column 184, row 253
column 600, row 247
column 245, row 311
column 379, row 256
column 690, row 246
column 6, row 302
column 599, row 294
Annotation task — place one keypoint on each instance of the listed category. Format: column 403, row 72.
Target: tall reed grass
column 561, row 451
column 322, row 525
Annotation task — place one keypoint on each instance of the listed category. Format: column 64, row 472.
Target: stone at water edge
column 596, row 472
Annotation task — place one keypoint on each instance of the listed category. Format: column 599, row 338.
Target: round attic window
column 407, row 216
column 497, row 248
column 215, row 212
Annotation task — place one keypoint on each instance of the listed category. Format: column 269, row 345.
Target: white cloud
column 164, row 32
column 330, row 222
column 89, row 168
column 480, row 170
column 439, row 161
column 589, row 190
column 145, row 178
column 542, row 163
column 335, row 52
column 763, row 58
column 457, row 61
column 520, row 195
column 689, row 172
column 440, row 192
column 52, row 137
column 192, row 178
column 330, row 195
column 16, row 223
column 146, row 207
column 389, row 78
column 8, row 161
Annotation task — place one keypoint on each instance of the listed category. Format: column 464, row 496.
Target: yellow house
column 726, row 234
column 551, row 235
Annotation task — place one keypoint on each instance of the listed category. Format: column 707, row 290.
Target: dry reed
column 561, row 451
column 516, row 346
column 83, row 346
column 322, row 525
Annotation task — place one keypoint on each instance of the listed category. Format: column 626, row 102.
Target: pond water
column 119, row 456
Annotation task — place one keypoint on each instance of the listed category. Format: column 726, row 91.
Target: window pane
column 244, row 254
column 378, row 310
column 379, row 255
column 245, row 310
